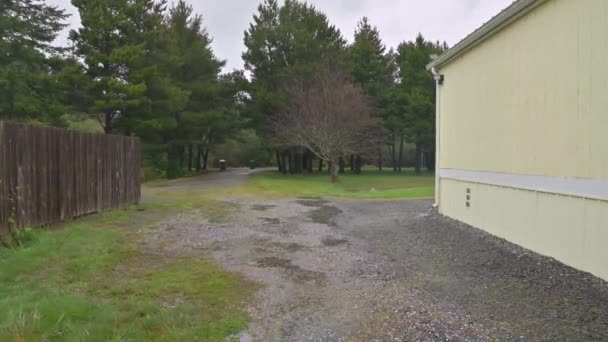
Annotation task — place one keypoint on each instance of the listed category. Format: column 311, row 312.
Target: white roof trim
column 517, row 10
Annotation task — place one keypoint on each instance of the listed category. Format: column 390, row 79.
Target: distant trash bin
column 252, row 164
column 222, row 165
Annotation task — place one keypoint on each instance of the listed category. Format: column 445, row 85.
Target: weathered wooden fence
column 49, row 175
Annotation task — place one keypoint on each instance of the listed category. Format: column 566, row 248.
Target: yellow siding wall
column 570, row 229
column 533, row 99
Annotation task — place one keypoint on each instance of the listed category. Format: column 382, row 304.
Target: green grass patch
column 368, row 185
column 90, row 281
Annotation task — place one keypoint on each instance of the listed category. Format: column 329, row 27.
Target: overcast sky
column 397, row 20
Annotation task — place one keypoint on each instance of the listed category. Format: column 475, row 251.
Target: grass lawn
column 91, row 281
column 368, row 185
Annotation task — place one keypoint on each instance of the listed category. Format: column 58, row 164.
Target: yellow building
column 522, row 116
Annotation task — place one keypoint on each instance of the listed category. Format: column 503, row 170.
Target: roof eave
column 512, row 13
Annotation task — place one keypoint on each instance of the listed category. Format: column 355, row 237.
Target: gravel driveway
column 385, row 271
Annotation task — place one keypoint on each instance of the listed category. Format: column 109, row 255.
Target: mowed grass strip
column 89, row 281
column 368, row 185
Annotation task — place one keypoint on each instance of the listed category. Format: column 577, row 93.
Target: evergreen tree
column 200, row 106
column 285, row 43
column 196, row 71
column 417, row 88
column 225, row 120
column 29, row 64
column 112, row 42
column 373, row 68
column 370, row 62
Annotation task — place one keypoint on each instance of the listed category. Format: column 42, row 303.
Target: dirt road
column 383, row 270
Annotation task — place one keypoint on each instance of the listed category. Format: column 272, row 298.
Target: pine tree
column 29, row 64
column 285, row 43
column 418, row 88
column 194, row 70
column 263, row 59
column 112, row 42
column 373, row 68
column 370, row 62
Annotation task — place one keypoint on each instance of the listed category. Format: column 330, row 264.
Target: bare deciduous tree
column 328, row 114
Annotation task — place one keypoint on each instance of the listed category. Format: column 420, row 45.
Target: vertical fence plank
column 49, row 175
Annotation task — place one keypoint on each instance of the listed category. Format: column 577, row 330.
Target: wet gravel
column 388, row 271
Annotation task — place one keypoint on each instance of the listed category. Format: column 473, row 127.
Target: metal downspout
column 438, row 81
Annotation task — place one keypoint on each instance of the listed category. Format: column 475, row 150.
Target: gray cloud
column 352, row 5
column 397, row 20
column 471, row 4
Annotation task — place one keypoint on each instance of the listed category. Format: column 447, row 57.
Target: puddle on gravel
column 325, row 215
column 314, row 202
column 293, row 247
column 271, row 220
column 274, row 262
column 262, row 207
column 331, row 241
column 296, row 273
column 266, row 246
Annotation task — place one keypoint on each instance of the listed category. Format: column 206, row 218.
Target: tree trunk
column 299, row 161
column 10, row 95
column 310, row 159
column 284, row 163
column 380, row 157
column 290, row 159
column 279, row 163
column 333, row 172
column 401, row 140
column 303, row 160
column 199, row 151
column 181, row 150
column 107, row 127
column 394, row 153
column 294, row 157
column 190, row 151
column 352, row 163
column 174, row 169
column 418, row 158
column 320, row 165
column 430, row 161
column 358, row 162
column 205, row 157
column 341, row 163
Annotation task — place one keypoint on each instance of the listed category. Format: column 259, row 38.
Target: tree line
column 146, row 68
